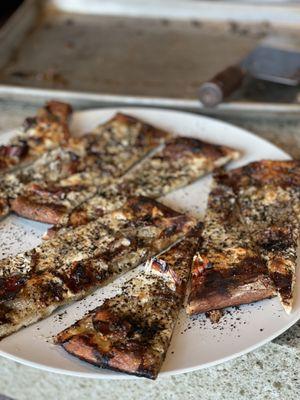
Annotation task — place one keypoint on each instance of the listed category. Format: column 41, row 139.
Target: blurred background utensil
column 6, row 10
column 275, row 59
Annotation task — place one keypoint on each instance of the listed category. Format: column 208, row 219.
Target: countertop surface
column 271, row 372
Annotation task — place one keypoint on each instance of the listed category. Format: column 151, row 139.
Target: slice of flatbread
column 125, row 140
column 48, row 130
column 68, row 267
column 179, row 163
column 131, row 332
column 228, row 269
column 109, row 151
column 269, row 203
column 72, row 157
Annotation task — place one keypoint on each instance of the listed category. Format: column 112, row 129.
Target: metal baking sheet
column 132, row 55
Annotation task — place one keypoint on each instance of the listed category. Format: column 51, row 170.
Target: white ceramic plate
column 196, row 342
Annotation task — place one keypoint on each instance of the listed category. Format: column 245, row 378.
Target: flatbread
column 131, row 332
column 35, row 283
column 48, row 130
column 228, row 268
column 269, row 203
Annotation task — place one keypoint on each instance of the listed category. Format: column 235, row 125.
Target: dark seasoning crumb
column 228, row 324
column 61, row 315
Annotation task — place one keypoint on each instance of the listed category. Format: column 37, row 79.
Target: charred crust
column 10, row 286
column 28, row 208
column 52, row 191
column 179, row 146
column 79, row 346
column 81, row 275
column 58, row 109
column 97, row 358
column 4, row 314
column 64, row 336
column 128, row 325
column 277, row 239
column 142, row 206
column 283, row 283
column 51, row 291
column 239, row 296
column 265, row 172
column 117, row 342
column 51, row 123
column 213, row 282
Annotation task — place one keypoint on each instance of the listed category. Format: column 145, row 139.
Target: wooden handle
column 221, row 86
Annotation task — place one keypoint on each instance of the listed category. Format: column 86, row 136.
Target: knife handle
column 221, row 85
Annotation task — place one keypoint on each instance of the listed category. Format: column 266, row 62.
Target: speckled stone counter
column 271, row 372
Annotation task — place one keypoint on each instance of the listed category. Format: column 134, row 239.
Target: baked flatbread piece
column 131, row 332
column 269, row 203
column 35, row 283
column 48, row 130
column 228, row 268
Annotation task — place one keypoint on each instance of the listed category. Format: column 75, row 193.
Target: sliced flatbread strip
column 48, row 130
column 72, row 157
column 33, row 284
column 49, row 203
column 179, row 163
column 125, row 140
column 113, row 148
column 269, row 202
column 228, row 269
column 131, row 332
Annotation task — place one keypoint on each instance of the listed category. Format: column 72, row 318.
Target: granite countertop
column 271, row 372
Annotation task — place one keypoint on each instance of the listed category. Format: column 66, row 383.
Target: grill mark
column 277, row 239
column 52, row 291
column 82, row 275
column 4, row 314
column 284, row 283
column 10, row 286
column 213, row 281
